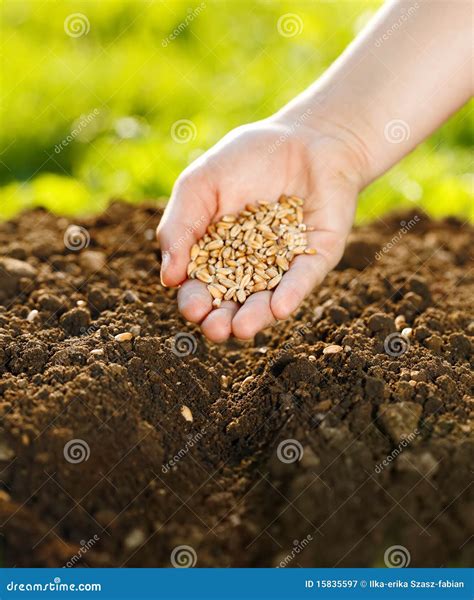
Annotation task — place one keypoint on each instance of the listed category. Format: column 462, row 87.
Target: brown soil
column 228, row 495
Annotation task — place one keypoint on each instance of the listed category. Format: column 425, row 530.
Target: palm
column 260, row 162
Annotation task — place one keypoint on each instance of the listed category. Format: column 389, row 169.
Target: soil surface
column 158, row 448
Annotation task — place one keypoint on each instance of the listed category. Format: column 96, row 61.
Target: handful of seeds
column 249, row 252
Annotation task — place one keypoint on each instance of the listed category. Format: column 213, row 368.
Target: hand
column 260, row 162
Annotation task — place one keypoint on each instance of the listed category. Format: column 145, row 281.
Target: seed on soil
column 32, row 315
column 124, row 337
column 186, row 413
column 407, row 332
column 97, row 352
column 249, row 252
column 333, row 349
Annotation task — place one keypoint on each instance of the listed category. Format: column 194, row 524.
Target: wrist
column 318, row 120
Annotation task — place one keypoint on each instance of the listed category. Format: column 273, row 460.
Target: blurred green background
column 91, row 91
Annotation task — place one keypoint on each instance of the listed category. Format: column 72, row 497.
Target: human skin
column 410, row 68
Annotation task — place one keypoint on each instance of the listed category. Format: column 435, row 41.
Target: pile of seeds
column 249, row 252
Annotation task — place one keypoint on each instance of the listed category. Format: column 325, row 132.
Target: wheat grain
column 250, row 252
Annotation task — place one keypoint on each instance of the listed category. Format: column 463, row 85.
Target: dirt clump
column 125, row 436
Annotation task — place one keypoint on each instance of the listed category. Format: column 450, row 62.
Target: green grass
column 228, row 66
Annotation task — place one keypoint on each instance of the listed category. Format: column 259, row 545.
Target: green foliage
column 88, row 118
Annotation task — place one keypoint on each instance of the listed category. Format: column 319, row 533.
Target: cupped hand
column 255, row 162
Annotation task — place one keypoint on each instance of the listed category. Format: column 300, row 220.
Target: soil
column 266, row 453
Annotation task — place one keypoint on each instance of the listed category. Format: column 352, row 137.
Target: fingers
column 194, row 301
column 255, row 314
column 187, row 214
column 260, row 310
column 306, row 272
column 217, row 326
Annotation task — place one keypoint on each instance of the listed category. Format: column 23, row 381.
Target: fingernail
column 165, row 263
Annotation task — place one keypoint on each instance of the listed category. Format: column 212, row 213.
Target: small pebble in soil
column 75, row 321
column 186, row 413
column 130, row 297
column 380, row 322
column 135, row 330
column 134, row 539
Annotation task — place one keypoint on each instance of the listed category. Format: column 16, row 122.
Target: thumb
column 186, row 217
